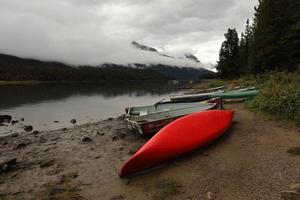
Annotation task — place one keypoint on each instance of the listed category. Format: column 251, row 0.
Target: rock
column 64, row 129
column 117, row 197
column 294, row 151
column 97, row 157
column 43, row 140
column 121, row 117
column 209, row 195
column 134, row 149
column 47, row 163
column 86, row 139
column 110, row 119
column 205, row 153
column 7, row 164
column 73, row 121
column 290, row 195
column 28, row 128
column 22, row 119
column 5, row 118
column 102, row 134
column 14, row 135
column 13, row 122
column 295, row 187
column 56, row 121
column 114, row 138
column 35, row 132
column 20, row 145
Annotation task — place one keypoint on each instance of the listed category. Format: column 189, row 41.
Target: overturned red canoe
column 179, row 137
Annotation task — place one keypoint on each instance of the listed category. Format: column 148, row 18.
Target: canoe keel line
column 180, row 137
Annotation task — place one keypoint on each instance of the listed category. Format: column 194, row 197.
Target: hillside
column 14, row 68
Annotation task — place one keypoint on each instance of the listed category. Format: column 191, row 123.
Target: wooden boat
column 151, row 123
column 194, row 97
column 237, row 95
column 178, row 138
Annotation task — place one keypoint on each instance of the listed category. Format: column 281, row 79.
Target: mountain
column 192, row 57
column 179, row 73
column 14, row 68
column 152, row 49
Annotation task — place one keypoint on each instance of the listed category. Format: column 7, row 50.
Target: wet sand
column 249, row 162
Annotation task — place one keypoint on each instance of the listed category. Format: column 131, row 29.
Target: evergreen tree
column 276, row 37
column 228, row 65
column 246, row 38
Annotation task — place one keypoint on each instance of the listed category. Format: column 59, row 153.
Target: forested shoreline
column 267, row 55
column 271, row 42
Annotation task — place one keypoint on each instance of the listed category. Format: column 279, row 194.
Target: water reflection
column 43, row 104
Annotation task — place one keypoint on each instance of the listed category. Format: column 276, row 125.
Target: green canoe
column 237, row 95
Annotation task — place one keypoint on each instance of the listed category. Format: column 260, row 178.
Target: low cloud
column 99, row 31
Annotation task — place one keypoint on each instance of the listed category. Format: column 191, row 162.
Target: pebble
column 295, row 187
column 5, row 165
column 28, row 128
column 209, row 195
column 117, row 197
column 15, row 135
column 73, row 121
column 47, row 163
column 290, row 195
column 20, row 145
column 86, row 139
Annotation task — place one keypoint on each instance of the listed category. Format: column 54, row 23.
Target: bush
column 279, row 95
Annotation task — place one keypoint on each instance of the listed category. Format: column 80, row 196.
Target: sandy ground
column 249, row 162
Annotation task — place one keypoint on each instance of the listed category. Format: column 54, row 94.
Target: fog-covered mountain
column 23, row 69
column 143, row 47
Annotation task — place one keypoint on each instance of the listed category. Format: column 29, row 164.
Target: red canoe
column 179, row 137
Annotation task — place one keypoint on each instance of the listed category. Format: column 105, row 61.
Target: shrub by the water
column 279, row 95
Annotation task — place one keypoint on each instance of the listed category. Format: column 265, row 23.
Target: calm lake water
column 42, row 105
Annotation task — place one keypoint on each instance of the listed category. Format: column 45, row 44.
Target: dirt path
column 249, row 162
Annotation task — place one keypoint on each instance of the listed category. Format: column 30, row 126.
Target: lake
column 52, row 106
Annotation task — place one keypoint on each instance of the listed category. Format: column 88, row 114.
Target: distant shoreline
column 6, row 83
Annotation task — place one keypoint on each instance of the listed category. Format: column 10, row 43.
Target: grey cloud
column 97, row 31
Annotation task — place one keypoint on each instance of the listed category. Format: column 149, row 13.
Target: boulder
column 7, row 164
column 5, row 118
column 28, row 128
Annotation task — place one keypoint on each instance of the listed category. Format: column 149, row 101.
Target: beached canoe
column 243, row 89
column 194, row 97
column 159, row 107
column 237, row 95
column 178, row 138
column 211, row 89
column 153, row 122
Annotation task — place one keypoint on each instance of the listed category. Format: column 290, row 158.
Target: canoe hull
column 178, row 138
column 237, row 95
column 194, row 97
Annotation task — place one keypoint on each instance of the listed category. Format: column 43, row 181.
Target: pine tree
column 276, row 37
column 246, row 38
column 228, row 65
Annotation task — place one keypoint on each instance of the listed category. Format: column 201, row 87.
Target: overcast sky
column 97, row 31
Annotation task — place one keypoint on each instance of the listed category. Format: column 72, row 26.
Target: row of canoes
column 147, row 120
column 180, row 127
